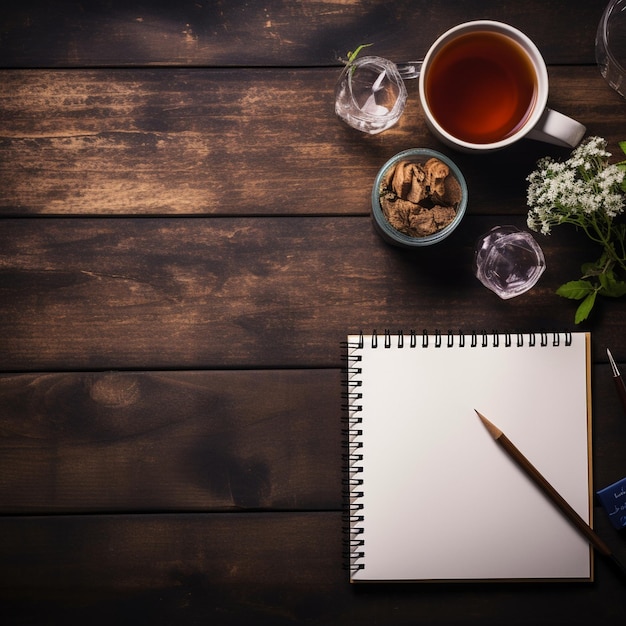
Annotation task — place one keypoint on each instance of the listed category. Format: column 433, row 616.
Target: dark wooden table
column 185, row 241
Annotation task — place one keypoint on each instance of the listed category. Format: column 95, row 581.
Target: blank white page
column 440, row 499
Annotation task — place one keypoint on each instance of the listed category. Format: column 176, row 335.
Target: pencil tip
column 494, row 431
column 612, row 362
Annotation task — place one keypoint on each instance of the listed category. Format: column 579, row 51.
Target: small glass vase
column 370, row 94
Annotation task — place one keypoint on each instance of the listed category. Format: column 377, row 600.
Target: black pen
column 619, row 381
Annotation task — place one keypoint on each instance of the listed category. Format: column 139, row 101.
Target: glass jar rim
column 603, row 30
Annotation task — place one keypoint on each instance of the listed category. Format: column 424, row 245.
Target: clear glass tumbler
column 508, row 261
column 370, row 94
column 611, row 45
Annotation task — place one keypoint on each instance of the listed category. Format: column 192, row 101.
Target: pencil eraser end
column 613, row 499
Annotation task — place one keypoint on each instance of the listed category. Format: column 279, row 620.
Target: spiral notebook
column 430, row 495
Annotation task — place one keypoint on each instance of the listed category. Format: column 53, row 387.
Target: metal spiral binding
column 352, row 483
column 476, row 339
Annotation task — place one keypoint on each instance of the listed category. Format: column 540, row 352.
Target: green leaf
column 576, row 289
column 583, row 311
column 622, row 145
column 355, row 54
column 611, row 286
column 592, row 268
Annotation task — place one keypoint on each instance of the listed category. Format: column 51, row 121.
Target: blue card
column 613, row 500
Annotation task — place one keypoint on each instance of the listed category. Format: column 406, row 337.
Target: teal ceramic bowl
column 398, row 238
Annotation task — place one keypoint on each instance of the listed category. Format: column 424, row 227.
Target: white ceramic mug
column 483, row 85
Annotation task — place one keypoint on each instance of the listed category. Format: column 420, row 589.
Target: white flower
column 583, row 186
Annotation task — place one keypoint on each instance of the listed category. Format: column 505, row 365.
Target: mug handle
column 558, row 129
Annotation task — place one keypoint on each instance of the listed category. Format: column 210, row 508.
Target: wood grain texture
column 137, row 442
column 170, row 441
column 271, row 292
column 233, row 569
column 184, row 244
column 233, row 142
column 318, row 32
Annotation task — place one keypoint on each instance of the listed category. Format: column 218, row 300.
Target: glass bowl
column 432, row 190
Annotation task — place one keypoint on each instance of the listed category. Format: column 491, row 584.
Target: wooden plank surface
column 245, row 292
column 233, row 142
column 232, row 569
column 184, row 244
column 316, row 32
column 176, row 441
column 170, row 441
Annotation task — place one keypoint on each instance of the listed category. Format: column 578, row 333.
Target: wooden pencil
column 551, row 492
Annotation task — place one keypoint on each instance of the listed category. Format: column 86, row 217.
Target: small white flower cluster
column 583, row 187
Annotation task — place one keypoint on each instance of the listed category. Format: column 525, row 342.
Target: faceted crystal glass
column 508, row 261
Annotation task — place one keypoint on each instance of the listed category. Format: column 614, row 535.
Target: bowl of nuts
column 418, row 198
